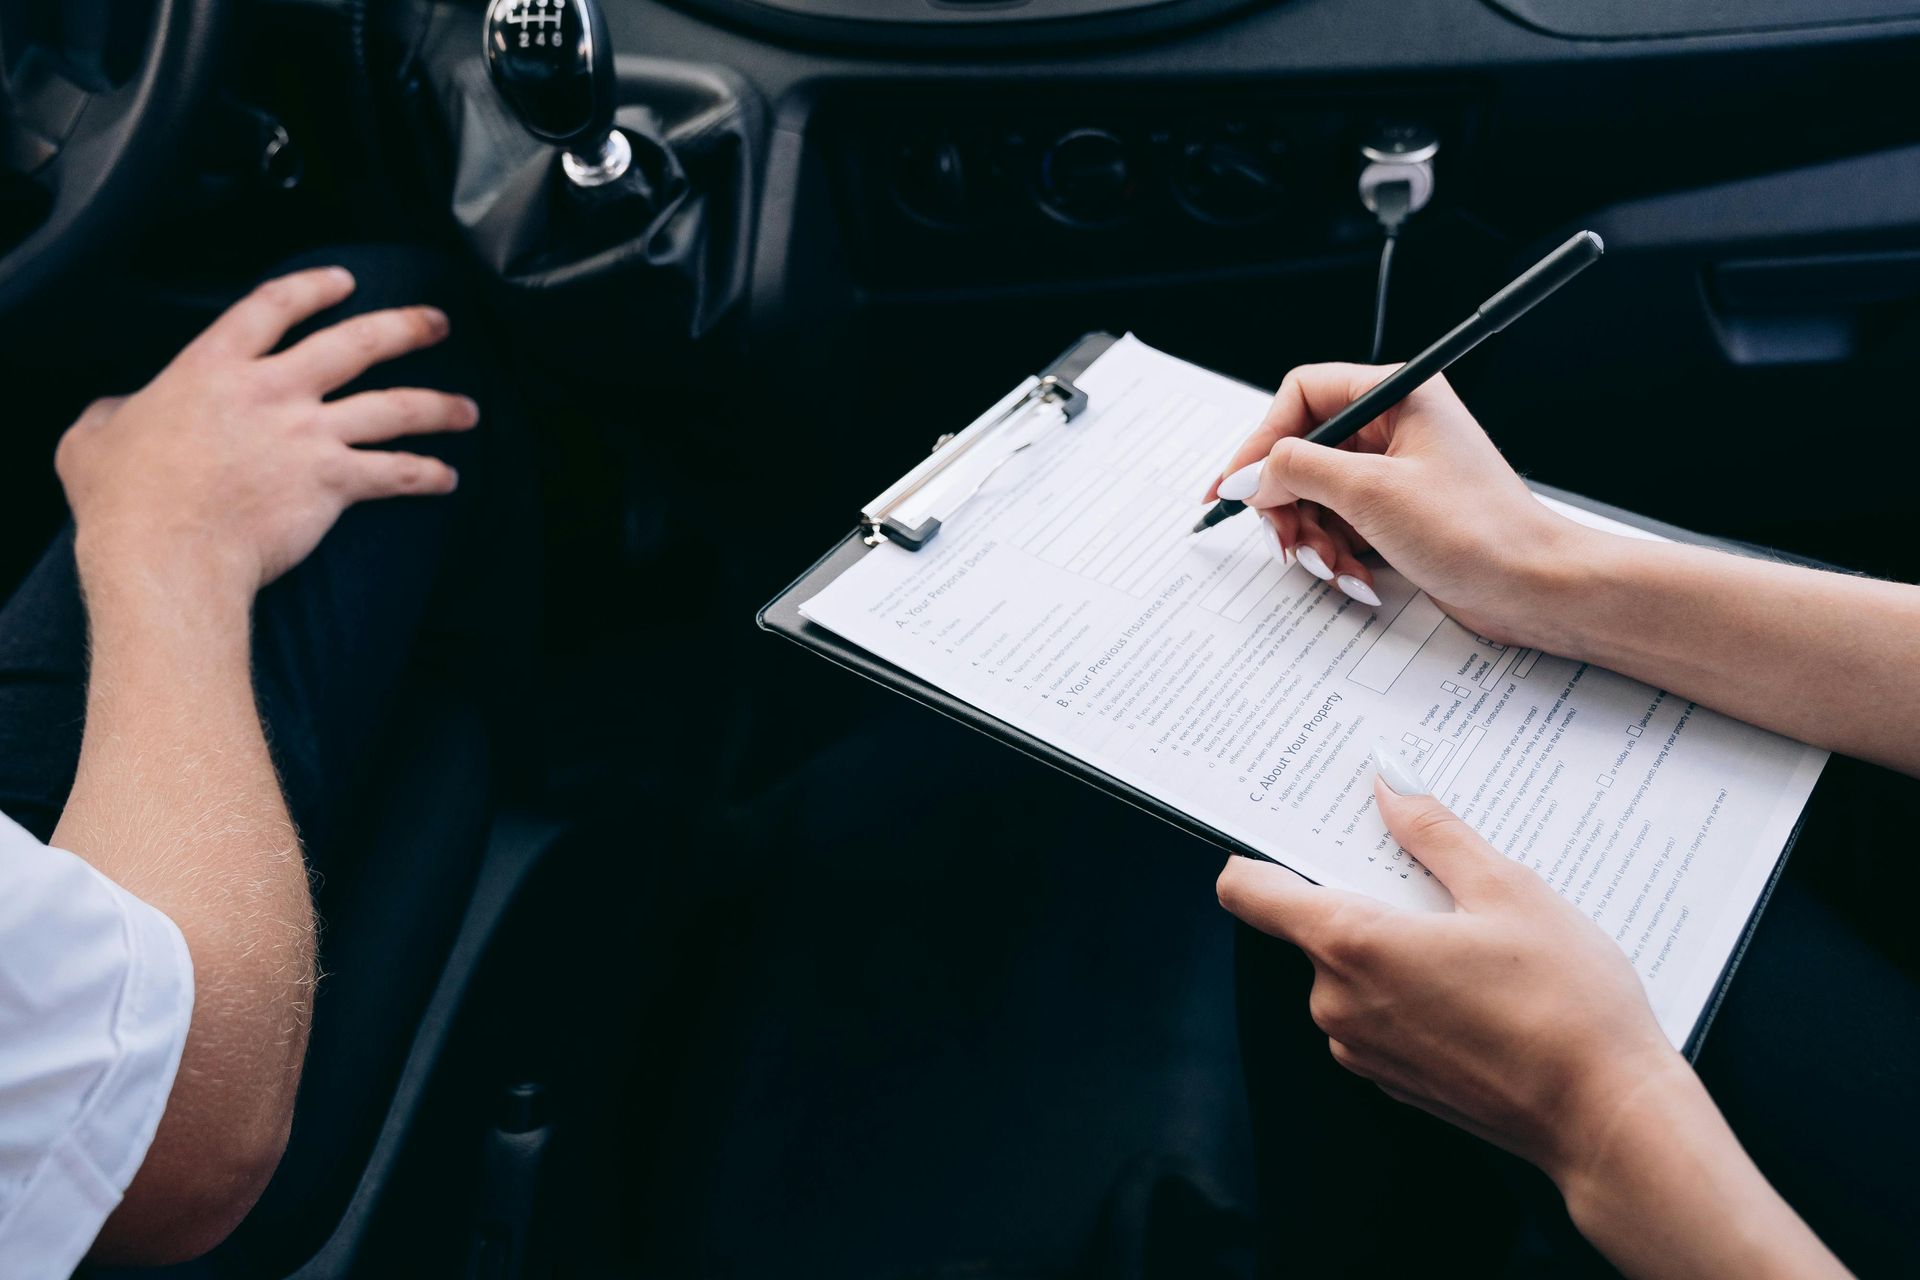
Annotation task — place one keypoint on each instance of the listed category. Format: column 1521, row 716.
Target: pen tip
column 1201, row 526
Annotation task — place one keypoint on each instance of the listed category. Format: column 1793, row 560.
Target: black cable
column 1380, row 296
column 1391, row 203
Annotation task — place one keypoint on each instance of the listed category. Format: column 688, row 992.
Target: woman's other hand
column 1512, row 1016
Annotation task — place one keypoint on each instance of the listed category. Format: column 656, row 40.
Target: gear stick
column 552, row 60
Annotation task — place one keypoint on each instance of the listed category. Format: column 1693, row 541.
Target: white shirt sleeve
column 96, row 989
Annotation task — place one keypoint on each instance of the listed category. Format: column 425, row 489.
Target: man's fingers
column 340, row 353
column 373, row 417
column 254, row 325
column 1308, row 396
column 1470, row 868
column 386, row 473
column 1277, row 901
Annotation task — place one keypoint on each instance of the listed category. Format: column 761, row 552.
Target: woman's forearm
column 1823, row 657
column 1666, row 1190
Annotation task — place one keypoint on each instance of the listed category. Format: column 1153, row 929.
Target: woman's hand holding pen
column 1422, row 485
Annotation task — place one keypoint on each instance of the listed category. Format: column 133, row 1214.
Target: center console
column 1115, row 187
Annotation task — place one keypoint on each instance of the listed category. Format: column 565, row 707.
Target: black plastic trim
column 958, row 25
column 1677, row 19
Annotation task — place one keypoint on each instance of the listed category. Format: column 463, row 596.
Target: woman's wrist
column 1629, row 1100
column 1558, row 571
column 1658, row 1183
column 1621, row 1164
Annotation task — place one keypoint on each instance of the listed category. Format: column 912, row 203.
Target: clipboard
column 1050, row 389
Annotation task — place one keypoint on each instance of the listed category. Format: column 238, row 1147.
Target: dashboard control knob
column 1232, row 177
column 931, row 182
column 1086, row 178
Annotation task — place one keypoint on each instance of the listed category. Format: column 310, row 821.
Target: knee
column 390, row 275
column 396, row 275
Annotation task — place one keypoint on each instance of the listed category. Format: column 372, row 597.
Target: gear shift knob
column 552, row 60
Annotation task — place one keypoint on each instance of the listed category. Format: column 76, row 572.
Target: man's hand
column 221, row 474
column 231, row 462
column 1513, row 1017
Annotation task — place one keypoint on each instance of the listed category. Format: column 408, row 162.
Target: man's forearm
column 1823, row 657
column 176, row 798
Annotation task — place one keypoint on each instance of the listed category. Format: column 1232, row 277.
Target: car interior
column 718, row 963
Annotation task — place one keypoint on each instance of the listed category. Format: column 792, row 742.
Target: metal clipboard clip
column 909, row 513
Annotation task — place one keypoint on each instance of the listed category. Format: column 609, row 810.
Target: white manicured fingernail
column 1307, row 556
column 1357, row 589
column 1394, row 771
column 1242, row 484
column 1271, row 537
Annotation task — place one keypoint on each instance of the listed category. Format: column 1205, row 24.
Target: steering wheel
column 95, row 96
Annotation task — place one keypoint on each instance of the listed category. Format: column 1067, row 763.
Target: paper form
column 1068, row 599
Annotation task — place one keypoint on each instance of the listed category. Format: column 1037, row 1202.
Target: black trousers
column 1814, row 1058
column 398, row 588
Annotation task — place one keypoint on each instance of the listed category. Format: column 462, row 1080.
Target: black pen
column 1495, row 314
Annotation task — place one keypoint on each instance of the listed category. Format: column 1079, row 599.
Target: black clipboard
column 782, row 616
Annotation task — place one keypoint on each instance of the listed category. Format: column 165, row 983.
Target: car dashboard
column 849, row 226
column 961, row 188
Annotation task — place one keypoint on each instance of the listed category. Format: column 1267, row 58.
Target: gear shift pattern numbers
column 537, row 20
column 553, row 63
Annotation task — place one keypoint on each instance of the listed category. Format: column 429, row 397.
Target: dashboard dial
column 1086, row 178
column 1231, row 176
column 932, row 182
